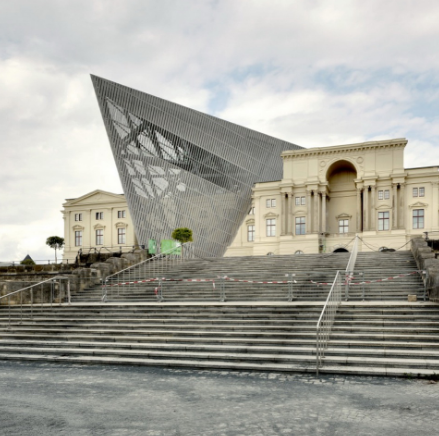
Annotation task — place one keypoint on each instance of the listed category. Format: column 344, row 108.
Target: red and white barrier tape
column 132, row 283
column 252, row 281
column 368, row 281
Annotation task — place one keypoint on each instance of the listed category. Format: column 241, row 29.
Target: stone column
column 282, row 213
column 395, row 206
column 290, row 213
column 366, row 208
column 323, row 212
column 316, row 213
column 308, row 212
column 402, row 210
column 358, row 229
column 373, row 218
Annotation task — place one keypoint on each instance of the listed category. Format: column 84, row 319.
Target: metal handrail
column 349, row 272
column 159, row 261
column 31, row 288
column 326, row 319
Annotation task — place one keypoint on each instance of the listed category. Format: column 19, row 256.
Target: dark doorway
column 340, row 250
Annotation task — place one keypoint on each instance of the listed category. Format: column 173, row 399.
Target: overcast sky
column 315, row 73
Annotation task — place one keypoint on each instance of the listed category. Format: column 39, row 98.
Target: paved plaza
column 64, row 399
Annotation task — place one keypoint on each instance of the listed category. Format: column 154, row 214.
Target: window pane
column 250, row 233
column 421, row 192
column 380, row 195
column 300, row 225
column 415, row 192
column 303, row 201
column 386, row 194
column 297, row 201
column 121, row 239
column 268, row 203
column 99, row 237
column 271, row 227
column 418, row 218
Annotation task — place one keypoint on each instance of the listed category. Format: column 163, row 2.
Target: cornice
column 344, row 149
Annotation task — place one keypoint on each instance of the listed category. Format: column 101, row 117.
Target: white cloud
column 315, row 73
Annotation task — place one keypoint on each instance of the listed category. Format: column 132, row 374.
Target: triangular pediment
column 299, row 212
column 418, row 204
column 344, row 216
column 384, row 207
column 271, row 215
column 96, row 197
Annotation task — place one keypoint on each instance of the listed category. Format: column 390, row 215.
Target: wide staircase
column 375, row 332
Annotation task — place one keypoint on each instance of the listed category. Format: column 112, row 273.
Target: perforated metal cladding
column 183, row 168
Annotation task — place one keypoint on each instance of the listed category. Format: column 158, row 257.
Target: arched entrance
column 342, row 204
column 341, row 250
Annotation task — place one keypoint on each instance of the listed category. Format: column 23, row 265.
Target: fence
column 149, row 270
column 47, row 295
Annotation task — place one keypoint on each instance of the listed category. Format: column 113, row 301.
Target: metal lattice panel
column 183, row 168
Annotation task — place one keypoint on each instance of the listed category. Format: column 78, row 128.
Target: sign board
column 152, row 246
column 168, row 244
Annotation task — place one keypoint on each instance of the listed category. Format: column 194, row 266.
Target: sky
column 316, row 73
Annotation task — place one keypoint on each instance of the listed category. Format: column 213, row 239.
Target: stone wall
column 80, row 278
column 426, row 260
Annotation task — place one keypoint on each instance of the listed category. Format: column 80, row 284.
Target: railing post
column 31, row 304
column 361, row 274
column 425, row 274
column 68, row 293
column 223, row 289
column 291, row 282
column 9, row 310
column 346, row 289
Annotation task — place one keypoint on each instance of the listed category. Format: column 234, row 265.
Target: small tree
column 55, row 242
column 182, row 234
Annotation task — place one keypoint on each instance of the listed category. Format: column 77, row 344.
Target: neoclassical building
column 99, row 220
column 329, row 194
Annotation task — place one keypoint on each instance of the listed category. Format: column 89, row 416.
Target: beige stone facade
column 329, row 194
column 99, row 220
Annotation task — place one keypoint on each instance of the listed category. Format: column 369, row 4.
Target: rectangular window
column 121, row 214
column 380, row 195
column 386, row 194
column 271, row 227
column 251, row 211
column 383, row 220
column 422, row 192
column 250, row 233
column 297, row 201
column 99, row 215
column 303, row 201
column 300, row 225
column 300, row 201
column 415, row 192
column 78, row 238
column 121, row 236
column 78, row 216
column 343, row 226
column 418, row 218
column 99, row 237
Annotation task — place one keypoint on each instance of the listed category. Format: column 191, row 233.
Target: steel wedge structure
column 182, row 168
